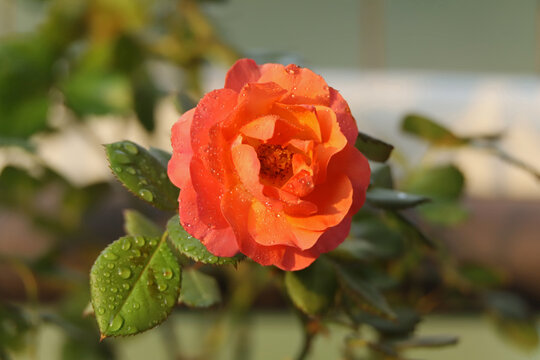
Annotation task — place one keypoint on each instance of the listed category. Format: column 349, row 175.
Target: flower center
column 276, row 164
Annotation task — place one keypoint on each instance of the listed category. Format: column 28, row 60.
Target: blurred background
column 75, row 74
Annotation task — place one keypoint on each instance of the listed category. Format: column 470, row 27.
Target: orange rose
column 267, row 166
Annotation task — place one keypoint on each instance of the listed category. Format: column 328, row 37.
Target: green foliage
column 142, row 174
column 392, row 199
column 136, row 223
column 198, row 289
column 362, row 292
column 373, row 149
column 187, row 245
column 313, row 289
column 431, row 131
column 14, row 326
column 134, row 283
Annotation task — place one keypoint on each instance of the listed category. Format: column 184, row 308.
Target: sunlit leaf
column 198, row 289
column 134, row 285
column 313, row 289
column 187, row 245
column 136, row 223
column 431, row 131
column 142, row 174
column 373, row 149
column 393, row 199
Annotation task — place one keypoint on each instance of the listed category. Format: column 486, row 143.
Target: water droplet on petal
column 131, row 148
column 146, row 194
column 116, row 323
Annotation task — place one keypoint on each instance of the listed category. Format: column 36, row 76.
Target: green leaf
column 438, row 182
column 408, row 229
column 136, row 223
column 95, row 92
column 446, row 213
column 431, row 131
column 393, row 199
column 146, row 96
column 142, row 174
column 187, row 245
column 198, row 289
column 405, row 322
column 426, row 341
column 162, row 155
column 373, row 149
column 381, row 177
column 362, row 292
column 313, row 289
column 134, row 285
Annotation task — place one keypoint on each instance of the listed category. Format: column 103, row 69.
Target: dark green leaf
column 162, row 155
column 429, row 130
column 362, row 292
column 134, row 285
column 426, row 341
column 438, row 182
column 408, row 228
column 189, row 246
column 373, row 149
column 198, row 289
column 136, row 223
column 392, row 199
column 313, row 289
column 405, row 322
column 381, row 177
column 142, row 174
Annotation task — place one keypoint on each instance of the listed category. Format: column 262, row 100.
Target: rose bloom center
column 276, row 164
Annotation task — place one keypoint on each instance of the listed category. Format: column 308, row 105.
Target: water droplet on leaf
column 146, row 194
column 131, row 148
column 124, row 273
column 116, row 323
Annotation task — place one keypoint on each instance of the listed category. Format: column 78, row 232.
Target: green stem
column 307, row 344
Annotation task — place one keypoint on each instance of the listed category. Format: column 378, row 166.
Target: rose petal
column 178, row 167
column 261, row 128
column 345, row 119
column 242, row 72
column 333, row 236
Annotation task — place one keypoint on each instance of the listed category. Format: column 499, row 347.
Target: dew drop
column 116, row 323
column 126, row 244
column 135, row 253
column 110, row 265
column 121, row 157
column 131, row 170
column 131, row 148
column 101, row 310
column 112, row 307
column 136, row 306
column 118, row 169
column 124, row 273
column 162, row 287
column 167, row 273
column 107, row 274
column 152, row 242
column 110, row 255
column 114, row 289
column 139, row 241
column 146, row 194
column 125, row 286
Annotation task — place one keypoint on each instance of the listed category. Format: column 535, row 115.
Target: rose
column 267, row 166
